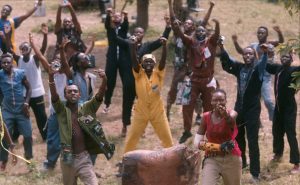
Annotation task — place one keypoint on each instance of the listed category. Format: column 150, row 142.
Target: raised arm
column 134, row 58
column 171, row 10
column 237, row 46
column 280, row 37
column 108, row 22
column 125, row 23
column 30, row 12
column 74, row 18
column 187, row 40
column 228, row 64
column 101, row 91
column 54, row 95
column 91, row 47
column 215, row 37
column 44, row 29
column 208, row 13
column 64, row 63
column 58, row 22
column 162, row 62
column 38, row 54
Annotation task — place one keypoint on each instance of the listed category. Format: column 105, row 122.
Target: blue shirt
column 12, row 89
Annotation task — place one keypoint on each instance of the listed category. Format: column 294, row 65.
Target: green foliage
column 293, row 45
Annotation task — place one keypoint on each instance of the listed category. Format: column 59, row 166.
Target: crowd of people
column 72, row 131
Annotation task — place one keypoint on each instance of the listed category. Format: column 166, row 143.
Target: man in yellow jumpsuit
column 149, row 104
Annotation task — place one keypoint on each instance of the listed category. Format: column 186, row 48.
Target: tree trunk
column 142, row 13
column 181, row 12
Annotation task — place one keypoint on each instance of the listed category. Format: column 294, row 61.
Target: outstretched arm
column 54, row 95
column 207, row 15
column 162, row 62
column 64, row 63
column 91, row 47
column 44, row 30
column 228, row 64
column 58, row 19
column 29, row 13
column 280, row 37
column 101, row 91
column 237, row 46
column 171, row 10
column 38, row 54
column 74, row 18
column 134, row 58
column 216, row 35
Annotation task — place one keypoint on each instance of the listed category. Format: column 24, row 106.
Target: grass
column 241, row 17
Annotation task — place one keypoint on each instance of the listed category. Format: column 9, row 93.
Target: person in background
column 285, row 110
column 262, row 36
column 8, row 25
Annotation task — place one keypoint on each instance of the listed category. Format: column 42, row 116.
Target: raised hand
column 44, row 29
column 234, row 38
column 264, row 47
column 124, row 13
column 276, row 28
column 167, row 20
column 101, row 73
column 163, row 41
column 30, row 37
column 215, row 20
column 212, row 3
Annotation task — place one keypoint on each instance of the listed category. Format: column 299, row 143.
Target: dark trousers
column 37, row 104
column 199, row 87
column 285, row 122
column 249, row 125
column 128, row 82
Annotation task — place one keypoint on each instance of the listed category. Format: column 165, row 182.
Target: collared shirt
column 86, row 85
column 148, row 90
column 12, row 90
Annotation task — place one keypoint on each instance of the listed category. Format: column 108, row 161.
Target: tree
column 142, row 13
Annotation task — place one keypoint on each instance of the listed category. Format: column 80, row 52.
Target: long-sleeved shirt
column 284, row 95
column 249, row 81
column 114, row 53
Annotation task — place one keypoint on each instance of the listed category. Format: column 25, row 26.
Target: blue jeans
column 53, row 141
column 266, row 90
column 23, row 124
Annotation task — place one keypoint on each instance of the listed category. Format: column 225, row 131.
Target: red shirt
column 220, row 132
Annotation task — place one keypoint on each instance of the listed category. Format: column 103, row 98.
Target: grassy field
column 241, row 17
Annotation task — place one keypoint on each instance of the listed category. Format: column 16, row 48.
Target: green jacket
column 64, row 117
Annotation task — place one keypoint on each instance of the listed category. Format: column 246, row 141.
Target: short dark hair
column 10, row 7
column 219, row 90
column 265, row 28
column 6, row 55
